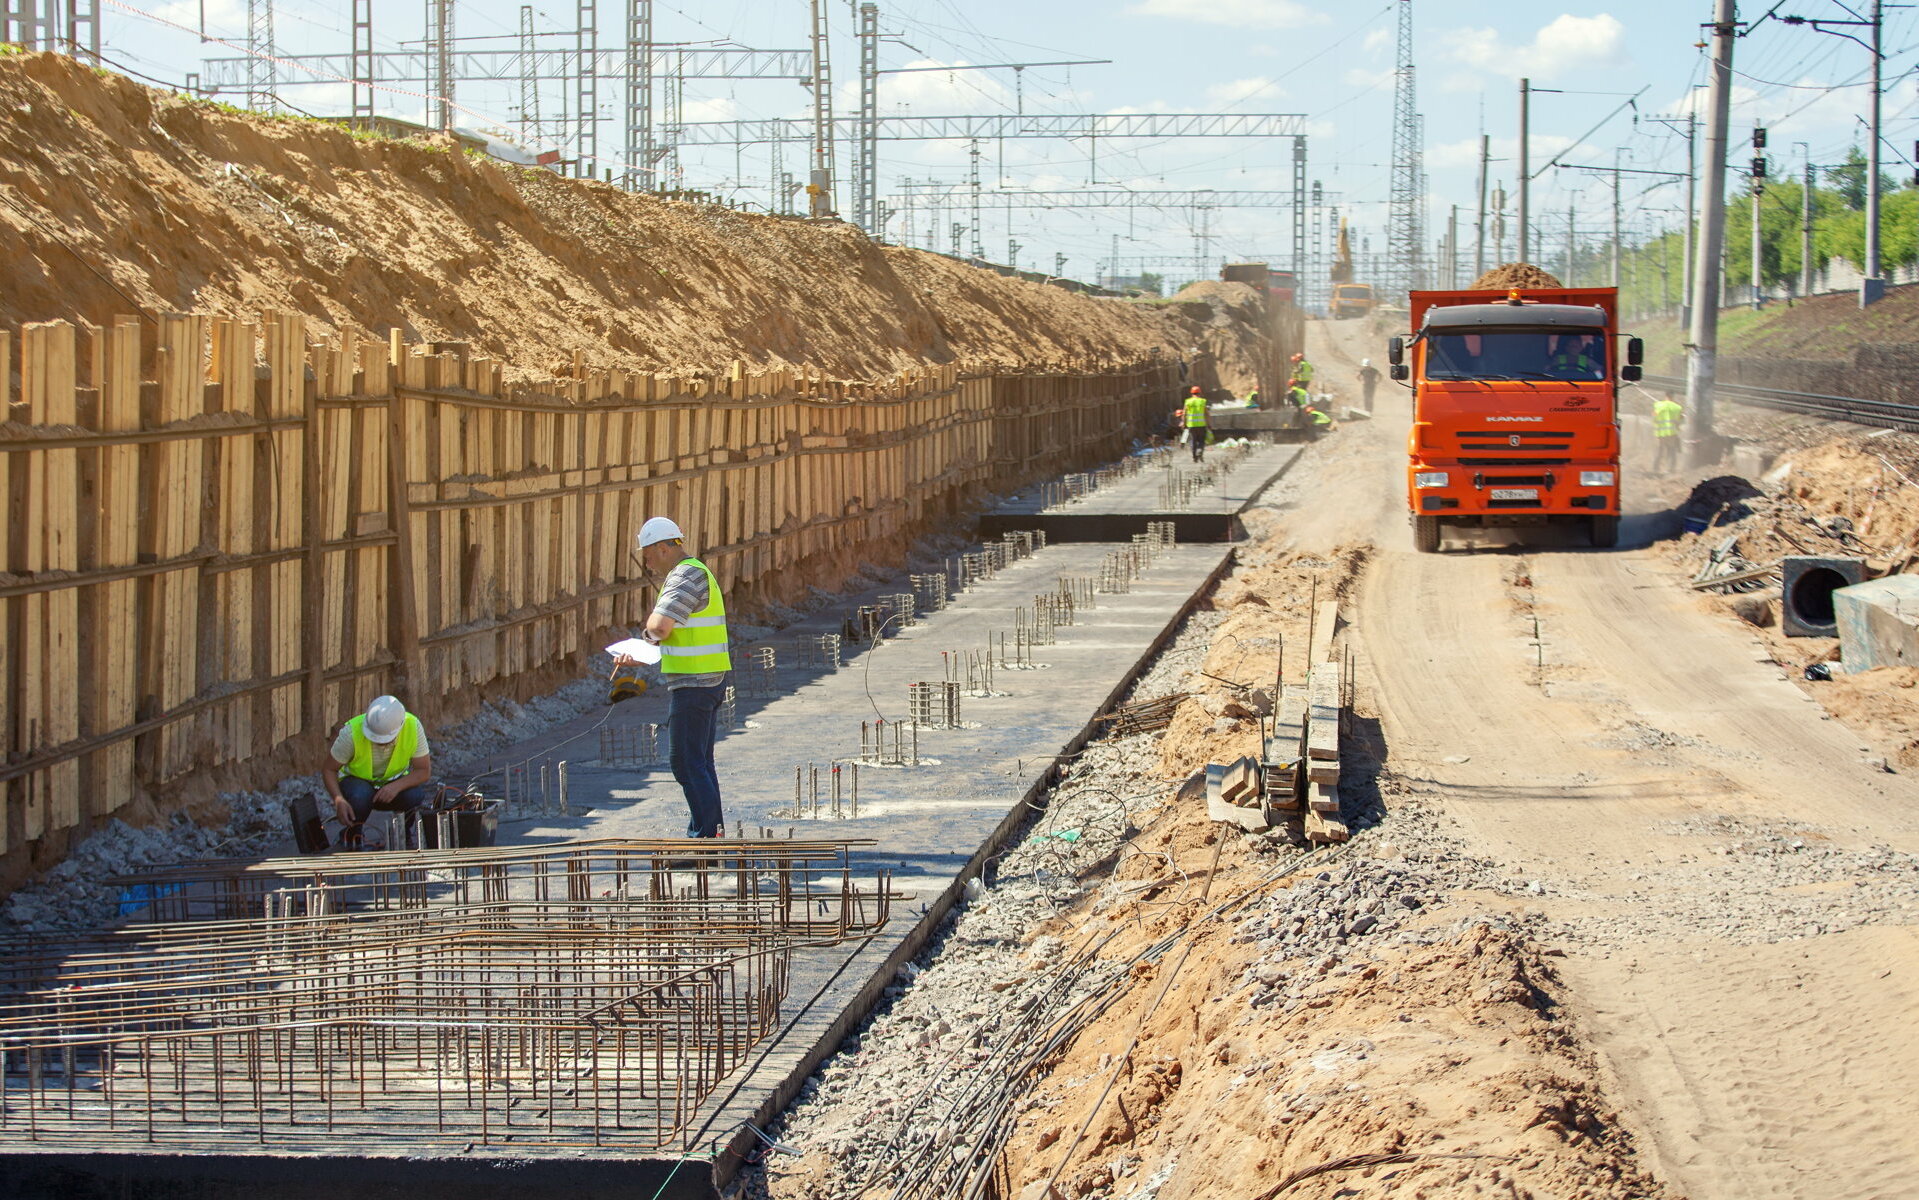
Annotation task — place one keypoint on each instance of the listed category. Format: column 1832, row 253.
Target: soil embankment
column 116, row 198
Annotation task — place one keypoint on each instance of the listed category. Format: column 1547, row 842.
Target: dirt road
column 1731, row 878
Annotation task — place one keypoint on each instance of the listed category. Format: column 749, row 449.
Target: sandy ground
column 1592, row 724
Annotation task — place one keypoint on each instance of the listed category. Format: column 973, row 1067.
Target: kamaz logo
column 1514, row 439
column 1515, row 420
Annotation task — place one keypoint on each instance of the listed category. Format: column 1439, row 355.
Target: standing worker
column 689, row 626
column 1667, row 417
column 1196, row 430
column 1302, row 372
column 381, row 761
column 1368, row 380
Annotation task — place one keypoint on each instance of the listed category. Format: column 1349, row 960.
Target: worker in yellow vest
column 688, row 623
column 1197, row 432
column 1667, row 417
column 381, row 761
column 1302, row 372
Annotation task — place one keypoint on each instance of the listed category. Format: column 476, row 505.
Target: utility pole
column 866, row 167
column 819, row 186
column 1452, row 248
column 262, row 71
column 362, row 61
column 1757, row 298
column 1012, row 252
column 1479, row 238
column 586, row 85
column 973, row 188
column 1873, row 287
column 1805, row 228
column 1572, row 246
column 1525, row 166
column 1059, row 265
column 641, row 158
column 1702, row 350
column 1616, row 173
column 1405, row 240
column 1692, row 187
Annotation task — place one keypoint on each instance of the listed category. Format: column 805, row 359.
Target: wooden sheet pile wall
column 223, row 539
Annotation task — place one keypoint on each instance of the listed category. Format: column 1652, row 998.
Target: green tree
column 1849, row 180
column 1149, row 282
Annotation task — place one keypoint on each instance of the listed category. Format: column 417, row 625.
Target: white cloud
column 1241, row 14
column 934, row 92
column 1369, row 77
column 1378, row 41
column 1225, row 95
column 1565, row 46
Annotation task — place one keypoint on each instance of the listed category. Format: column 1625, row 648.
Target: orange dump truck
column 1515, row 415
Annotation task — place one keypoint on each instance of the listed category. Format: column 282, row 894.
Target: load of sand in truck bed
column 1516, row 275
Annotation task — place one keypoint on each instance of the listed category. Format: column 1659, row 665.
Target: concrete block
column 1808, row 583
column 1750, row 461
column 1878, row 623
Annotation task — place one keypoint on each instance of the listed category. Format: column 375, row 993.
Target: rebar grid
column 812, row 881
column 759, row 675
column 934, row 704
column 899, row 608
column 820, row 652
column 931, row 591
column 539, row 1025
column 632, row 746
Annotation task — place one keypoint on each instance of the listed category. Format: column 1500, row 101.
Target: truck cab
column 1515, row 410
column 1352, row 300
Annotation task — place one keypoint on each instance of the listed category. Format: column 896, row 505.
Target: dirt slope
column 116, row 197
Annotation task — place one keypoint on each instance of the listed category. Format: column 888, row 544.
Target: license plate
column 1515, row 493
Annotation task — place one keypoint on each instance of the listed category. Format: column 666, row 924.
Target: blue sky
column 1331, row 63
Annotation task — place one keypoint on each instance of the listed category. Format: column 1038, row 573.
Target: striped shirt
column 684, row 593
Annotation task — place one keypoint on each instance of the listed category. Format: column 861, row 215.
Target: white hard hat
column 659, row 529
column 383, row 719
column 1365, row 362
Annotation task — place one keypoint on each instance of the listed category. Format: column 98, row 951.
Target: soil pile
column 1517, row 275
column 1227, row 349
column 117, row 198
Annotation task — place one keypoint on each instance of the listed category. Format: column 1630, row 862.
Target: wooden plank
column 117, row 544
column 1322, row 827
column 231, row 615
column 1287, row 742
column 1219, row 809
column 1322, row 720
column 48, row 375
column 1323, row 797
column 1325, row 624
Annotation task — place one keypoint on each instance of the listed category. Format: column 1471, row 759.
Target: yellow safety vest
column 697, row 645
column 398, row 763
column 1666, row 416
column 1303, row 371
column 1195, row 412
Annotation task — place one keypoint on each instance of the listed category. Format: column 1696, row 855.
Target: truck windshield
column 1516, row 354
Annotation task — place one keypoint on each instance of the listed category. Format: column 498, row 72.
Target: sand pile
column 117, row 198
column 1517, row 275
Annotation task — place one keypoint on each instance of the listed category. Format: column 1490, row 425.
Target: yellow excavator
column 1349, row 299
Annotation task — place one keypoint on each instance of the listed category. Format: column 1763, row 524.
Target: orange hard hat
column 1299, row 357
column 1194, row 391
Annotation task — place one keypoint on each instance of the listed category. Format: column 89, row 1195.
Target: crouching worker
column 383, row 763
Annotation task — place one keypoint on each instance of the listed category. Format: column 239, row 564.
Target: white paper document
column 638, row 648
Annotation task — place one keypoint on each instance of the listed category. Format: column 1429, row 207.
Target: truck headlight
column 1595, row 479
column 1426, row 479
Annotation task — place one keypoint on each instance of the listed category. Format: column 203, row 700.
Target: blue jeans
column 692, row 724
column 359, row 792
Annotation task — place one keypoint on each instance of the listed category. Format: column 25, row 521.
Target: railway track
column 1879, row 414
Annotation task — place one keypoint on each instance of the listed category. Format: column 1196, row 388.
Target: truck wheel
column 1426, row 534
column 1605, row 532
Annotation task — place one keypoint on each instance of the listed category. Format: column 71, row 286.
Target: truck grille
column 1497, row 448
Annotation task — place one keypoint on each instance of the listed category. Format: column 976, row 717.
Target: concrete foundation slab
column 937, row 819
column 1118, row 511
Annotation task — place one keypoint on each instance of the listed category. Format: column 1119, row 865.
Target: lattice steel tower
column 1405, row 235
